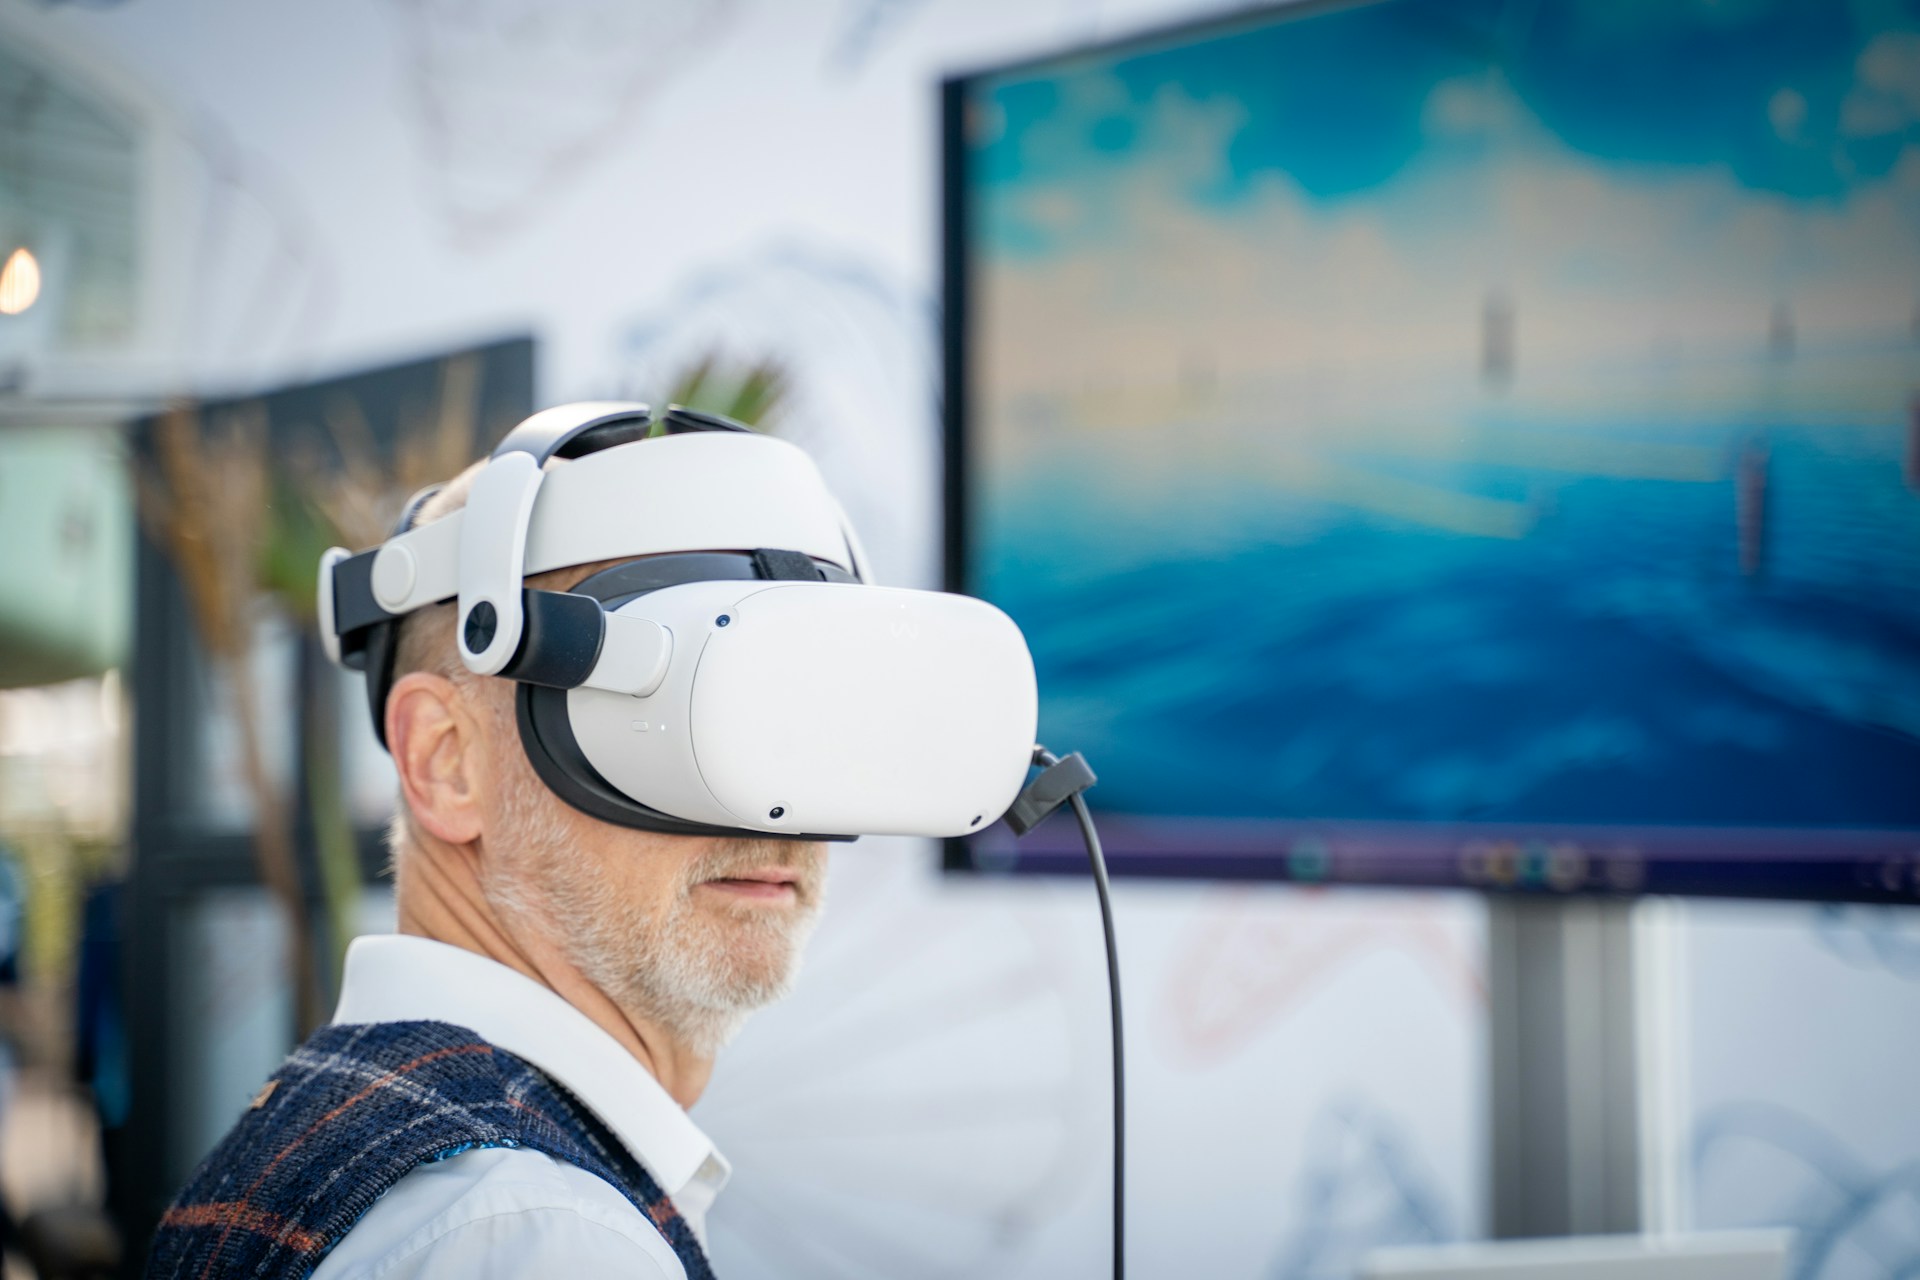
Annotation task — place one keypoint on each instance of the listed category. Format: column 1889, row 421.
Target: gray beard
column 696, row 977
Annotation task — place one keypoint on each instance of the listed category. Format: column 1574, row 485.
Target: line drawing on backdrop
column 1361, row 1186
column 514, row 98
column 865, row 30
column 1239, row 971
column 263, row 276
column 1781, row 1168
column 1869, row 937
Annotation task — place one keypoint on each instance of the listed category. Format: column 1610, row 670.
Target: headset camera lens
column 722, row 620
column 777, row 812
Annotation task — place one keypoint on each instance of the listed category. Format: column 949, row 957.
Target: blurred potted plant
column 753, row 393
column 244, row 528
column 208, row 507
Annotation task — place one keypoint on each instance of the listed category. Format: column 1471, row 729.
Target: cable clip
column 1058, row 781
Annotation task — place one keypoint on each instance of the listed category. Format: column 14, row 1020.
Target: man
column 552, row 1003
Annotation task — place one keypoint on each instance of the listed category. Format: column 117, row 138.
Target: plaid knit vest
column 354, row 1110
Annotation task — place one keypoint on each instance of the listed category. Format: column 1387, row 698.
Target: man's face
column 692, row 931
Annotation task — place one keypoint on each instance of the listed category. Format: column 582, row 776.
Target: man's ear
column 437, row 751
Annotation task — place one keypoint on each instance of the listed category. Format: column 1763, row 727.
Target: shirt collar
column 399, row 978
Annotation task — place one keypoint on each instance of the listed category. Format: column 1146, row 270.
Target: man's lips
column 769, row 883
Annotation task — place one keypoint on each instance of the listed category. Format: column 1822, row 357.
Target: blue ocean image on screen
column 1483, row 438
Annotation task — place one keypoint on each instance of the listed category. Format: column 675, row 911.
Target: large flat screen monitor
column 1456, row 442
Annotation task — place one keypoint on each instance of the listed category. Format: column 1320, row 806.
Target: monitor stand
column 1581, row 994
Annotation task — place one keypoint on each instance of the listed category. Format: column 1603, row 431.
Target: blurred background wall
column 299, row 192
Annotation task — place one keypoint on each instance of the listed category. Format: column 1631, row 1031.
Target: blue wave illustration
column 1853, row 1220
column 1361, row 1186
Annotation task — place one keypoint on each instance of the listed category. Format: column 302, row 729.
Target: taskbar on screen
column 1835, row 864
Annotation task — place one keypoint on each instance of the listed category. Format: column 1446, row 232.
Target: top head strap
column 736, row 490
column 571, row 430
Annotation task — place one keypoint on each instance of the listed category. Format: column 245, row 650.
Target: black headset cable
column 1065, row 780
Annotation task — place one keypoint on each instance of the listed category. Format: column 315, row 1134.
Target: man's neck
column 438, row 897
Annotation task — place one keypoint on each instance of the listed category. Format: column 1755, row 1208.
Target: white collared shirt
column 512, row 1211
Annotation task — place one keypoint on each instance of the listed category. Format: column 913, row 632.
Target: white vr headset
column 735, row 674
